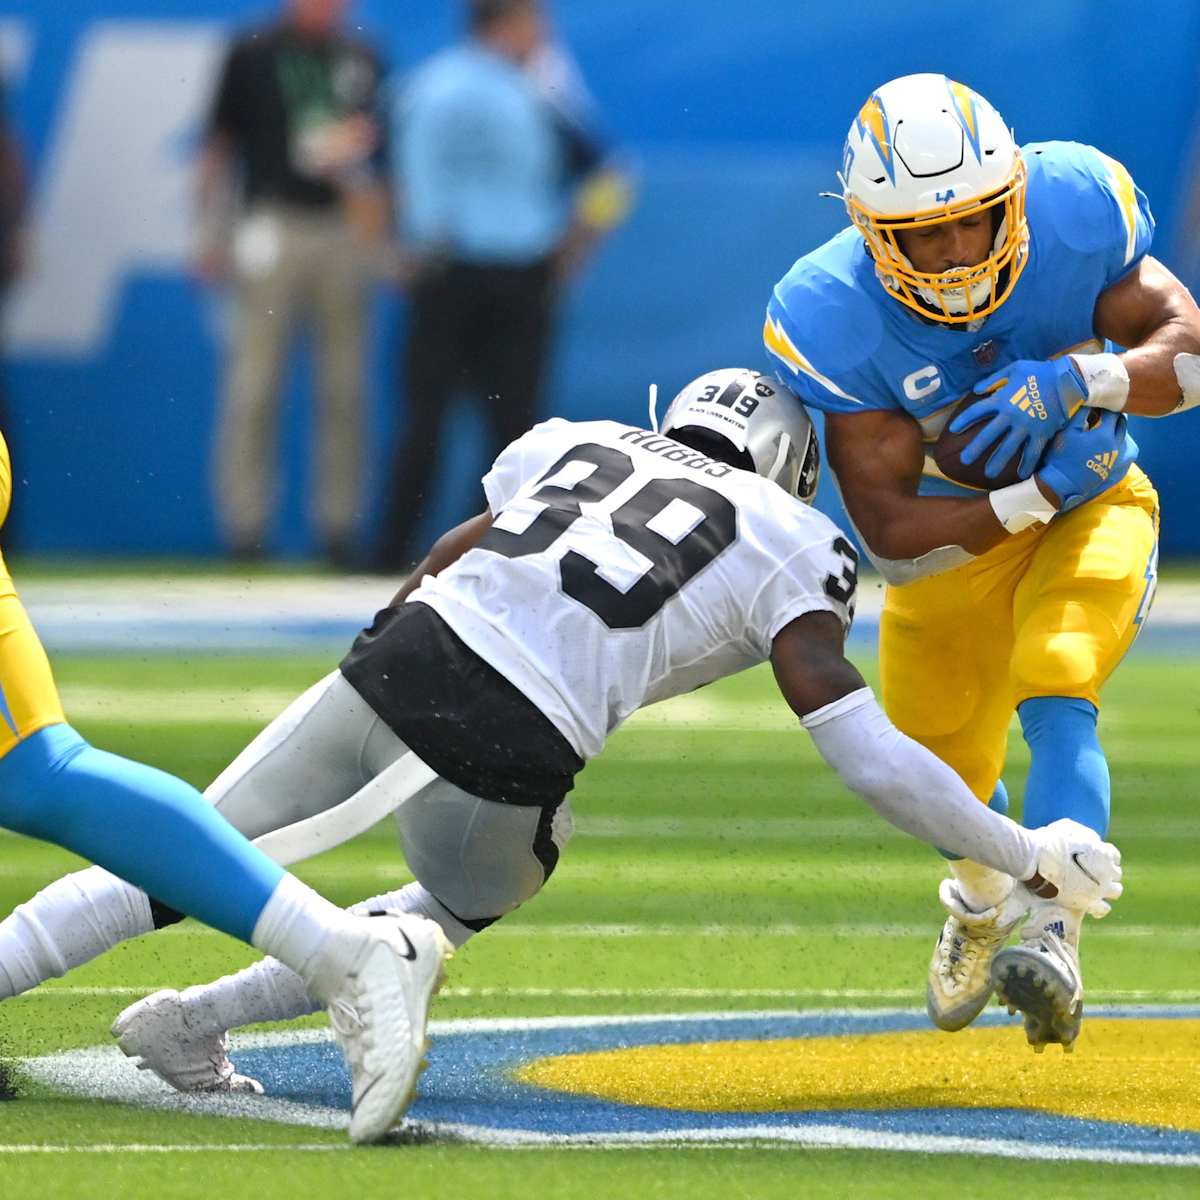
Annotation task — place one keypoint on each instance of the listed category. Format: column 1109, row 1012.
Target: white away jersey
column 625, row 568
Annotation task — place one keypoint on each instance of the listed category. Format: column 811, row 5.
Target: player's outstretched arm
column 449, row 548
column 915, row 790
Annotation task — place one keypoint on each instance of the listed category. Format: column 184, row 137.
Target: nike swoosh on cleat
column 364, row 1094
column 412, row 950
column 1075, row 860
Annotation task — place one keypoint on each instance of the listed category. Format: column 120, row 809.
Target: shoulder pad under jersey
column 823, row 326
column 1089, row 202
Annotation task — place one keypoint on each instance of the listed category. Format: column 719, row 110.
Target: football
column 949, row 446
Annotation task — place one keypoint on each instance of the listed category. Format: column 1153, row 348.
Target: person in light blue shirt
column 505, row 185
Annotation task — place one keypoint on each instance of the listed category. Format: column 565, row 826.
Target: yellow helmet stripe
column 872, row 121
column 778, row 342
column 964, row 107
column 1126, row 195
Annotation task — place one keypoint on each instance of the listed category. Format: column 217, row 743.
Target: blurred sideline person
column 12, row 202
column 295, row 128
column 612, row 568
column 13, row 241
column 972, row 266
column 504, row 185
column 159, row 833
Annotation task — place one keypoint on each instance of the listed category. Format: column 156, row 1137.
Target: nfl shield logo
column 984, row 354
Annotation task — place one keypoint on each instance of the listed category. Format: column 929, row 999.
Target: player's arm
column 1148, row 311
column 912, row 788
column 1152, row 314
column 878, row 457
column 449, row 548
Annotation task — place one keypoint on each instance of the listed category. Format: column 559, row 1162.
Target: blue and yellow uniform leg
column 142, row 824
column 1085, row 594
column 1076, row 612
column 945, row 646
column 28, row 698
column 1036, row 624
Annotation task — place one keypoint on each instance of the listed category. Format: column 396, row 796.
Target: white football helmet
column 923, row 150
column 763, row 420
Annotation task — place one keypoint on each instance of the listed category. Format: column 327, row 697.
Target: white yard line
column 149, row 1148
column 819, row 1137
column 1109, row 996
column 838, row 932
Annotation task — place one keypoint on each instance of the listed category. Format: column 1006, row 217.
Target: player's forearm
column 909, row 527
column 1158, row 376
column 1155, row 316
column 913, row 789
column 1159, row 384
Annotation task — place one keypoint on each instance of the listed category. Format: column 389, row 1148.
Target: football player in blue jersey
column 1014, row 275
column 154, row 830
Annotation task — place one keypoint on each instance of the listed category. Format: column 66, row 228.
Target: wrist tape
column 1106, row 378
column 1021, row 505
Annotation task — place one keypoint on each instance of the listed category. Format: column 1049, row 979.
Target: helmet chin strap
column 654, row 407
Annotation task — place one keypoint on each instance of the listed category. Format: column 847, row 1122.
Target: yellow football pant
column 1049, row 612
column 28, row 698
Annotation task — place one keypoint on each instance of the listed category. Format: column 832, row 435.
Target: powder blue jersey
column 847, row 346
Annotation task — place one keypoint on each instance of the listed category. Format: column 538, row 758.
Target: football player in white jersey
column 613, row 567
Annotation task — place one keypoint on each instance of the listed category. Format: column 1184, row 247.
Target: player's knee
column 35, row 785
column 504, row 857
column 1056, row 663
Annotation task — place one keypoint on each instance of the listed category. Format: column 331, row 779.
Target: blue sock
column 139, row 823
column 997, row 803
column 1068, row 773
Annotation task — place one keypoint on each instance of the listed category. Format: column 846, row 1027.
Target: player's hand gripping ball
column 1017, row 411
column 947, row 453
column 1090, row 454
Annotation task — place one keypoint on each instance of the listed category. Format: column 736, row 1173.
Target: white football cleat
column 1040, row 977
column 378, row 1011
column 156, row 1032
column 960, row 985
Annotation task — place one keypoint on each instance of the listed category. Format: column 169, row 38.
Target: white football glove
column 1086, row 871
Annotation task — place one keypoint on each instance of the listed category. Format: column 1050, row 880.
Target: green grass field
column 741, row 876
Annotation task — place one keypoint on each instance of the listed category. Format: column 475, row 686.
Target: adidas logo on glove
column 1102, row 464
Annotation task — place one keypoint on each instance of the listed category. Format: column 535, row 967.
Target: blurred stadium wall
column 734, row 114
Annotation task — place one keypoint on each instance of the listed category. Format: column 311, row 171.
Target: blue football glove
column 1028, row 403
column 1088, row 457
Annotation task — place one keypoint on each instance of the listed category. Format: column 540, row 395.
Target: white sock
column 67, row 924
column 269, row 991
column 265, row 991
column 981, row 888
column 318, row 940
